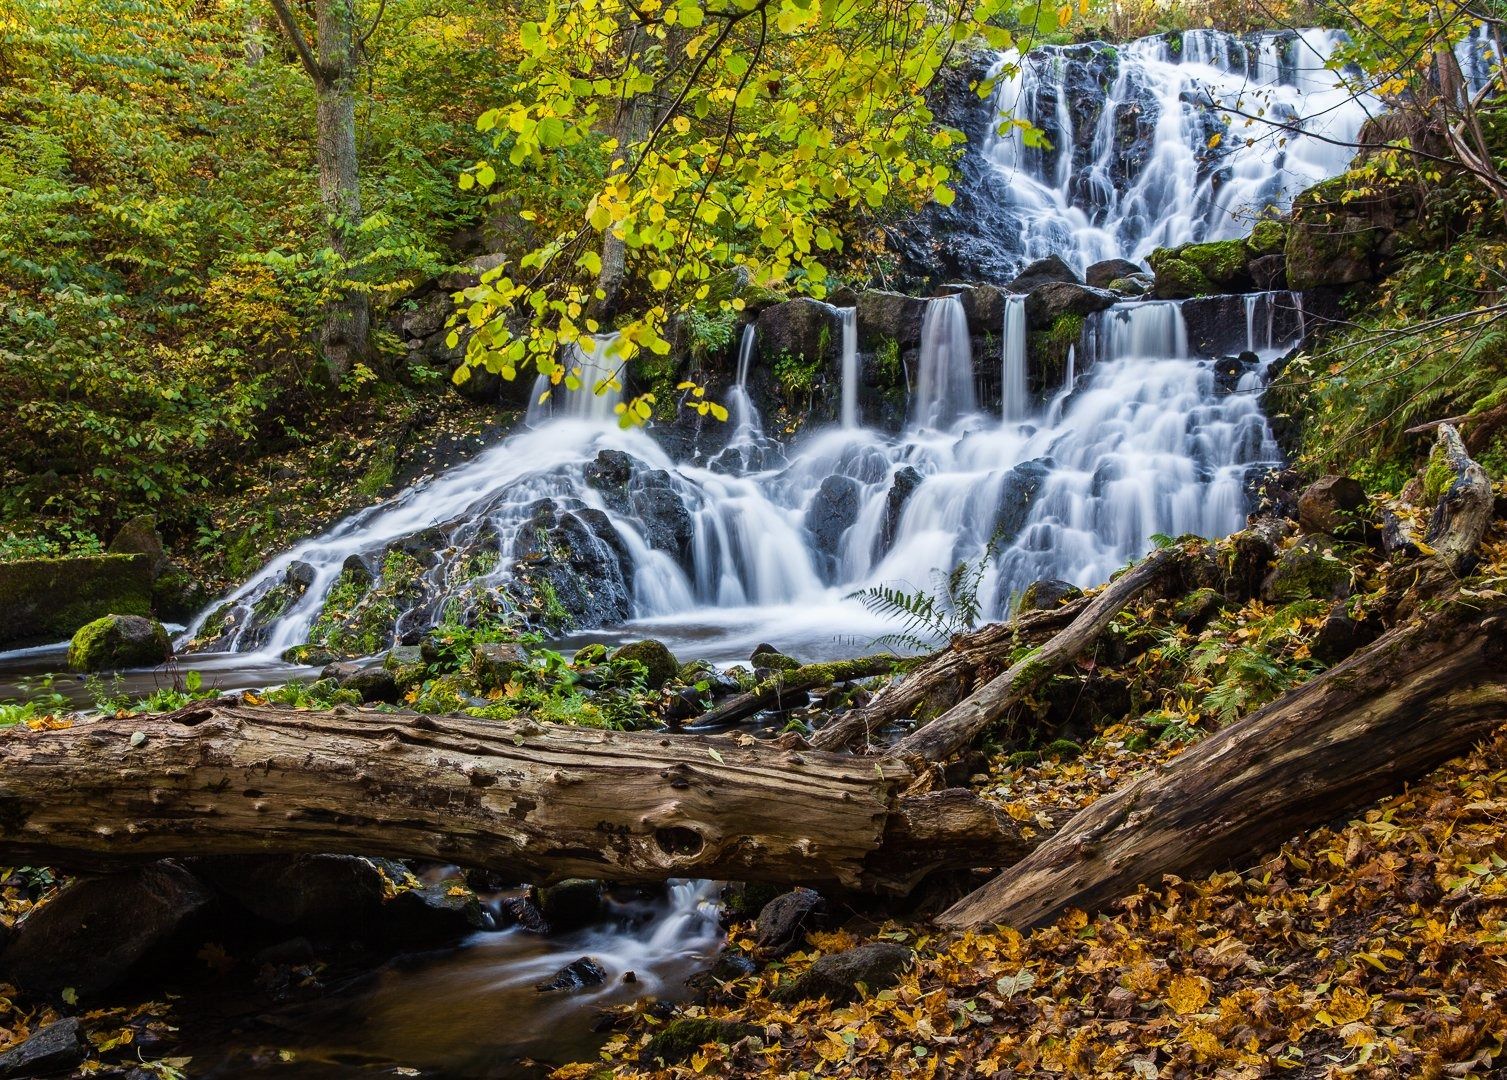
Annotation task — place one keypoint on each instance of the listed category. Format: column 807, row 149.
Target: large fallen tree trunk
column 1418, row 696
column 539, row 802
column 957, row 728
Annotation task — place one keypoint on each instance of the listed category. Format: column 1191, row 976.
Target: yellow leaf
column 1187, row 994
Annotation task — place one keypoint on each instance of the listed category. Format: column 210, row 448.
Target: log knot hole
column 679, row 841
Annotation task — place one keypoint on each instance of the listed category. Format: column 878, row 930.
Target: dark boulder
column 678, row 1040
column 571, row 568
column 97, row 930
column 572, row 903
column 1046, row 303
column 889, row 316
column 1333, row 505
column 1337, row 236
column 1017, row 495
column 1220, row 266
column 983, row 306
column 372, row 679
column 632, row 489
column 316, row 894
column 139, row 536
column 1048, row 593
column 1309, row 570
column 495, row 664
column 783, row 922
column 57, row 1048
column 432, row 915
column 843, row 977
column 902, row 486
column 1051, row 269
column 576, row 975
column 832, row 512
column 1103, row 275
column 806, row 329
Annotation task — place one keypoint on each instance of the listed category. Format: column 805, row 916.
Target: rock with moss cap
column 1309, row 570
column 119, row 641
column 682, row 1038
column 843, row 977
column 659, row 662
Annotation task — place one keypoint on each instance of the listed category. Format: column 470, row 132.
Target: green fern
column 930, row 618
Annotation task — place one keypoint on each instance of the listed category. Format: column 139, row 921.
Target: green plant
column 929, row 618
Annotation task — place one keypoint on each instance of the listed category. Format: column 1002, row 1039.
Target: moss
column 358, row 616
column 1268, row 237
column 660, row 665
column 52, row 598
column 379, row 473
column 1200, row 269
column 682, row 1038
column 117, row 641
column 1064, row 748
column 1308, row 570
column 1177, row 280
column 1438, row 475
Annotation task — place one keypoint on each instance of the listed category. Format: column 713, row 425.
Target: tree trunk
column 347, row 319
column 537, row 802
column 1418, row 696
column 1463, row 512
column 630, row 123
column 945, row 678
column 957, row 728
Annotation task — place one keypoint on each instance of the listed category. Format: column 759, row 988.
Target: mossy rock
column 659, row 662
column 119, row 641
column 590, row 655
column 309, row 655
column 1197, row 608
column 1269, row 237
column 1201, row 269
column 1178, row 280
column 49, row 599
column 177, row 595
column 682, row 1038
column 1309, row 570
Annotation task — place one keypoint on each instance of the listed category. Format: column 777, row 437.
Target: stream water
column 1142, row 437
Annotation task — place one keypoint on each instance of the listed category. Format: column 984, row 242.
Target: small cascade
column 944, row 373
column 748, row 426
column 1015, row 395
column 1069, row 380
column 1478, row 59
column 595, row 365
column 1092, row 196
column 848, row 319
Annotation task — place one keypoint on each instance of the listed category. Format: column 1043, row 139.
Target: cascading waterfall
column 1142, row 435
column 1188, row 174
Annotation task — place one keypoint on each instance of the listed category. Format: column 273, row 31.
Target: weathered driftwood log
column 944, row 678
column 957, row 728
column 539, row 802
column 788, row 689
column 1419, row 695
column 1464, row 509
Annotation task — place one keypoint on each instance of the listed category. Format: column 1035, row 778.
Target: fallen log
column 1463, row 512
column 944, row 678
column 1418, row 696
column 957, row 728
column 535, row 802
column 788, row 689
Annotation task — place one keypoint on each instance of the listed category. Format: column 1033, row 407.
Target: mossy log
column 788, row 689
column 941, row 680
column 1465, row 502
column 1419, row 695
column 533, row 802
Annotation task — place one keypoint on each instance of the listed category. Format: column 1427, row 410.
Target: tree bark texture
column 1418, row 696
column 539, row 802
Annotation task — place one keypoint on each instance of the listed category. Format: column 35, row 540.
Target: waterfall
column 944, row 373
column 1014, row 394
column 1162, row 166
column 594, row 365
column 848, row 319
column 748, row 427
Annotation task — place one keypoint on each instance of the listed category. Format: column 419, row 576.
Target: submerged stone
column 576, row 975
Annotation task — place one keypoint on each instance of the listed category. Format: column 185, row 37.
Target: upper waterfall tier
column 1158, row 142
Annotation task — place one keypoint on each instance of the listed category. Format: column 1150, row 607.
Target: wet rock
column 371, row 679
column 1017, row 495
column 1252, row 552
column 432, row 915
column 1269, row 272
column 832, row 512
column 807, row 329
column 571, row 568
column 1341, row 635
column 1309, row 570
column 315, row 894
column 680, row 1039
column 633, row 489
column 1046, row 303
column 1339, row 237
column 1132, row 285
column 178, row 595
column 902, row 486
column 1333, row 505
column 52, row 598
column 983, row 306
column 522, row 912
column 1103, row 275
column 783, row 922
column 1229, row 370
column 889, row 316
column 309, row 655
column 56, row 1048
column 1051, row 269
column 494, row 665
column 656, row 657
column 1271, row 492
column 119, row 641
column 572, row 903
column 844, row 977
column 139, row 536
column 1220, row 266
column 767, row 661
column 300, row 575
column 576, row 975
column 97, row 930
column 1048, row 593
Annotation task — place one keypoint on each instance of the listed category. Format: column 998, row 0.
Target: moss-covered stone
column 359, row 614
column 1269, row 237
column 49, row 599
column 1201, row 269
column 659, row 662
column 1309, row 570
column 1197, row 608
column 682, row 1038
column 1178, row 280
column 119, row 641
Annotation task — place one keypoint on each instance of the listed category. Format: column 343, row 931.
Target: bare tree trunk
column 1463, row 512
column 1415, row 698
column 538, row 802
column 332, row 65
